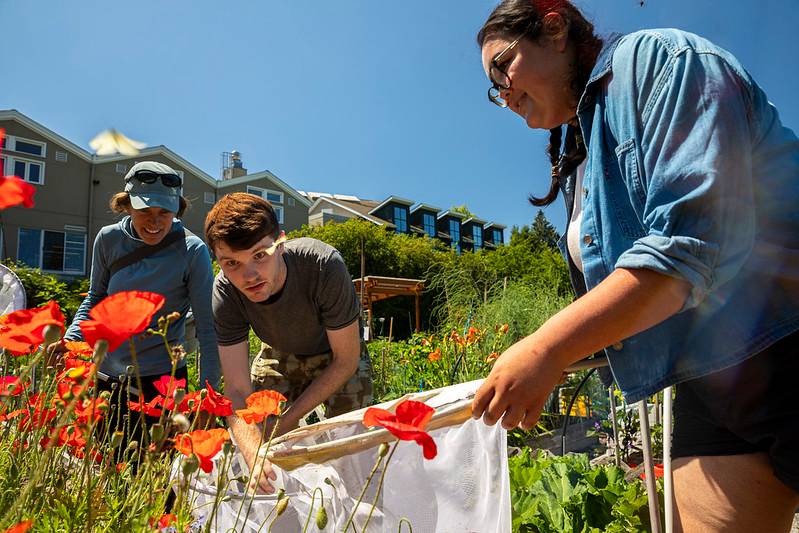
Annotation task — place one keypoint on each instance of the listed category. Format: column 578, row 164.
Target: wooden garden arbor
column 376, row 288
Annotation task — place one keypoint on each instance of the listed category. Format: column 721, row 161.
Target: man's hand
column 261, row 473
column 517, row 387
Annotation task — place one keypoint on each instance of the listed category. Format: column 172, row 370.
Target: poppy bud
column 203, row 393
column 328, row 481
column 116, row 439
column 171, row 317
column 383, row 450
column 321, row 518
column 156, row 432
column 105, row 395
column 281, row 506
column 132, row 445
column 51, row 334
column 190, row 465
column 178, row 395
column 280, row 493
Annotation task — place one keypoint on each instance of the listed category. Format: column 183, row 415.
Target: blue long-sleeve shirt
column 181, row 272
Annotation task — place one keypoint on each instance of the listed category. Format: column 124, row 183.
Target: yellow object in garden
column 580, row 407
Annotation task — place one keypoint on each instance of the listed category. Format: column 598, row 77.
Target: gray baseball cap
column 152, row 184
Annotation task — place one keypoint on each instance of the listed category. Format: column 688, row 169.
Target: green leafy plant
column 567, row 494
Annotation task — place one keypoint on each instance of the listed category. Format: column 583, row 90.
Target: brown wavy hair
column 240, row 220
column 514, row 18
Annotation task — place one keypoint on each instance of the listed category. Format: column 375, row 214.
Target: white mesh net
column 465, row 488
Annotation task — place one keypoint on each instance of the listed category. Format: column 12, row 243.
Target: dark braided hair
column 514, row 18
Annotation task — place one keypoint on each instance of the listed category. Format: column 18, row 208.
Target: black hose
column 569, row 410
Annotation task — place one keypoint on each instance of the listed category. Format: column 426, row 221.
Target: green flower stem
column 363, row 493
column 310, row 511
column 380, row 484
column 260, row 468
column 404, row 520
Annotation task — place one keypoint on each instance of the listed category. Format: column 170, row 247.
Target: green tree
column 541, row 233
column 462, row 209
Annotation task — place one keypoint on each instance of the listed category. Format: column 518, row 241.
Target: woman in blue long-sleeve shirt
column 681, row 187
column 181, row 272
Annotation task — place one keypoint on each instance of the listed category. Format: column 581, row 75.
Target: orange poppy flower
column 407, row 423
column 20, row 527
column 434, row 355
column 119, row 316
column 260, row 405
column 503, row 329
column 167, row 520
column 78, row 350
column 22, row 329
column 204, row 444
column 493, row 356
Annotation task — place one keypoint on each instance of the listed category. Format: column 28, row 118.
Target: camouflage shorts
column 290, row 375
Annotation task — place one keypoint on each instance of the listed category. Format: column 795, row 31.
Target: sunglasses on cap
column 150, row 177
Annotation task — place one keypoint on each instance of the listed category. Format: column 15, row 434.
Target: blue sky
column 364, row 97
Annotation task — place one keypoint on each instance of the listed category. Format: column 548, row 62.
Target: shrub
column 40, row 288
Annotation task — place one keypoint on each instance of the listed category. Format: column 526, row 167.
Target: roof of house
column 266, row 174
column 360, row 209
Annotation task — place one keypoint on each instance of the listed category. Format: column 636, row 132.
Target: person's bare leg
column 731, row 493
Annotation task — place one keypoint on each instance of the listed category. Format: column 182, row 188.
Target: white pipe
column 649, row 467
column 668, row 486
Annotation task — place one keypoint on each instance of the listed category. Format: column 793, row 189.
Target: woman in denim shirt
column 682, row 189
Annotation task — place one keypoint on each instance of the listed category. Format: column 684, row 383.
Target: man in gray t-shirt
column 299, row 299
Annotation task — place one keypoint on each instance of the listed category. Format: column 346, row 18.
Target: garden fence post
column 615, row 425
column 668, row 485
column 649, row 467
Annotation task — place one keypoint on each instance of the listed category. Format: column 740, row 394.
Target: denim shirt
column 690, row 173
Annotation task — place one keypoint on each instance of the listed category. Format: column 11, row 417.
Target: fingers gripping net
column 465, row 488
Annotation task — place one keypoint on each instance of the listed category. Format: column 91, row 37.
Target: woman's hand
column 517, row 387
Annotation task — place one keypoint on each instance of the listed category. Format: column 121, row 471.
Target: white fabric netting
column 465, row 488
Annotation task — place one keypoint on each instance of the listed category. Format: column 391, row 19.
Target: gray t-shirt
column 318, row 295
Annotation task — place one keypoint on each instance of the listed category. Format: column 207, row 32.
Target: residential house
column 75, row 186
column 406, row 216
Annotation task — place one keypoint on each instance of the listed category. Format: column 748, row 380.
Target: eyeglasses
column 150, row 177
column 499, row 78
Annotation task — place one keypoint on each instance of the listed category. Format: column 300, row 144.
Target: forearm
column 625, row 303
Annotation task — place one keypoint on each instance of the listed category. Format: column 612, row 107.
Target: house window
column 209, row 198
column 26, row 146
column 497, row 236
column 477, row 236
column 279, row 212
column 32, row 171
column 121, row 168
column 401, row 219
column 56, row 251
column 291, row 201
column 429, row 222
column 3, row 166
column 455, row 234
column 274, row 197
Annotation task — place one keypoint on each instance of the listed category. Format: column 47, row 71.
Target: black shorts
column 749, row 408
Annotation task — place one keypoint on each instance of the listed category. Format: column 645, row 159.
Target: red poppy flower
column 14, row 191
column 407, row 423
column 167, row 385
column 260, row 405
column 40, row 417
column 76, row 371
column 80, row 453
column 22, row 329
column 11, row 386
column 70, row 436
column 434, row 355
column 167, row 520
column 67, row 390
column 91, row 411
column 119, row 316
column 20, row 527
column 215, row 403
column 151, row 408
column 204, row 444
